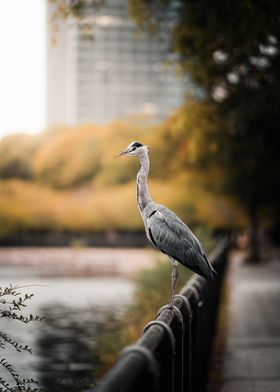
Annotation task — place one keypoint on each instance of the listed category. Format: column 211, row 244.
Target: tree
column 232, row 51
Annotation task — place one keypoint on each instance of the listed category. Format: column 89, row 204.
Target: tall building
column 119, row 72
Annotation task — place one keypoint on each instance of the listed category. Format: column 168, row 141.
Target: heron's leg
column 174, row 280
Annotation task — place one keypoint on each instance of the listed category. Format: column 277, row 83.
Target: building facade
column 117, row 72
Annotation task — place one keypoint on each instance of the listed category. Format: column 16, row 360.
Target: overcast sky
column 22, row 66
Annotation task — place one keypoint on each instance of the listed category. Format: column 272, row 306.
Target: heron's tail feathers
column 214, row 273
column 204, row 269
column 198, row 263
column 208, row 270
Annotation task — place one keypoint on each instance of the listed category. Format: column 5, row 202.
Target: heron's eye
column 136, row 145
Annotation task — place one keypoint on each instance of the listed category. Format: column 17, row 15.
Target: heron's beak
column 121, row 153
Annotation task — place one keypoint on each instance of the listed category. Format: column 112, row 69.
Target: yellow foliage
column 74, row 183
column 70, row 157
column 75, row 156
column 28, row 206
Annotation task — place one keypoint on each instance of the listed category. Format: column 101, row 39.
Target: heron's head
column 134, row 149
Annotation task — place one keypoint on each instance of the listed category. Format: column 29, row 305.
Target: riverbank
column 110, row 238
column 89, row 261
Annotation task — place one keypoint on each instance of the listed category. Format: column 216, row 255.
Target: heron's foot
column 171, row 301
column 171, row 305
column 174, row 281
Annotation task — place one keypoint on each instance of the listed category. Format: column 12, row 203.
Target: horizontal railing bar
column 127, row 374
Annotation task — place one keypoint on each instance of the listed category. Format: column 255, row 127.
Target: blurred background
column 80, row 80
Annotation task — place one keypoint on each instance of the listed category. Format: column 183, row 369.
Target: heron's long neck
column 143, row 195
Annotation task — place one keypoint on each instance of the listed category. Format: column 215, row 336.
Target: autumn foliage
column 67, row 179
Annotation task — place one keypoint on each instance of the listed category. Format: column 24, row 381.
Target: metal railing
column 173, row 352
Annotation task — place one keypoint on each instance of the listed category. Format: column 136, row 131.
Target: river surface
column 77, row 309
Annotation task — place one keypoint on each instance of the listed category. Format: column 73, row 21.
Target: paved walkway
column 247, row 353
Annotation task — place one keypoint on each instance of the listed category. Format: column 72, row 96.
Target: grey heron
column 164, row 229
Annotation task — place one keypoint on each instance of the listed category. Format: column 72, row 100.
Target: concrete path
column 247, row 350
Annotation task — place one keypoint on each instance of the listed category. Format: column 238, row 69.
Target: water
column 66, row 349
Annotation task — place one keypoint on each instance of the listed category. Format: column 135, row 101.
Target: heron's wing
column 173, row 237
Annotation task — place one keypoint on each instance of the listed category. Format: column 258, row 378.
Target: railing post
column 165, row 352
column 178, row 328
column 195, row 341
column 192, row 294
column 184, row 305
